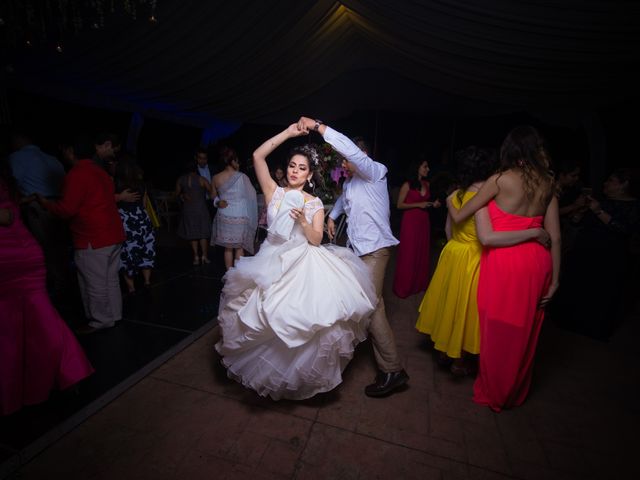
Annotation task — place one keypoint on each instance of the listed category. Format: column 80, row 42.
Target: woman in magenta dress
column 515, row 282
column 38, row 352
column 412, row 261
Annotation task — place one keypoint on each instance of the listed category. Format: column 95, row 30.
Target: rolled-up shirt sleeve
column 366, row 168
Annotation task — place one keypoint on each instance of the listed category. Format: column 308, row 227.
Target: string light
column 59, row 48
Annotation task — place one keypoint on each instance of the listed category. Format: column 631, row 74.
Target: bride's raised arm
column 268, row 184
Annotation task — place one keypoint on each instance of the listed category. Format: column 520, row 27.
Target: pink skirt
column 38, row 352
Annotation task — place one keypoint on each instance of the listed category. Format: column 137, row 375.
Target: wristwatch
column 317, row 125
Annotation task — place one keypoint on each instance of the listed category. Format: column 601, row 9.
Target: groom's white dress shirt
column 364, row 198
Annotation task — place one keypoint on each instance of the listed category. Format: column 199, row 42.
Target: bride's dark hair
column 313, row 160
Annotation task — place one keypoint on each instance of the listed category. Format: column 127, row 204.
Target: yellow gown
column 449, row 308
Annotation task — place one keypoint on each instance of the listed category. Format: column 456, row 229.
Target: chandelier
column 26, row 23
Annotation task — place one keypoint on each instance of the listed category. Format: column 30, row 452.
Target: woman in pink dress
column 515, row 282
column 412, row 261
column 38, row 352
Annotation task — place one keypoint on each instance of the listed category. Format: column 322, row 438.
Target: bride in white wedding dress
column 292, row 315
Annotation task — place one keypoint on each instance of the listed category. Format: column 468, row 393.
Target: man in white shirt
column 365, row 201
column 202, row 159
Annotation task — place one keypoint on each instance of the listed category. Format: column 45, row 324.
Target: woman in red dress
column 38, row 352
column 412, row 262
column 515, row 282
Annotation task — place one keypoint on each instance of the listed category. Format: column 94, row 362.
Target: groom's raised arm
column 365, row 167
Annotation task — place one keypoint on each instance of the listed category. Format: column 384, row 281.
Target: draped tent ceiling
column 211, row 62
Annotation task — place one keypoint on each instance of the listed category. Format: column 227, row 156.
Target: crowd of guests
column 291, row 315
column 39, row 351
column 82, row 224
column 598, row 263
column 500, row 271
column 498, row 274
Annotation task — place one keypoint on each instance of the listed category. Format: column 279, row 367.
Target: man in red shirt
column 88, row 203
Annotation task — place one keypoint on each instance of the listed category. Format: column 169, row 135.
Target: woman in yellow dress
column 449, row 308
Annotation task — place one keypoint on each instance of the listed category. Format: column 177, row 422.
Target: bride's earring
column 310, row 183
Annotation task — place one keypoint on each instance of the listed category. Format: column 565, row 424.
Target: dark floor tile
column 186, row 302
column 178, row 259
column 121, row 351
column 181, row 300
column 115, row 354
column 6, row 453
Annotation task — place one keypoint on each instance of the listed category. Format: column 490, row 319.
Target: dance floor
column 180, row 417
column 157, row 323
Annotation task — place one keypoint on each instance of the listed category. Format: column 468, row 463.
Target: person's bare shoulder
column 308, row 197
column 218, row 179
column 509, row 179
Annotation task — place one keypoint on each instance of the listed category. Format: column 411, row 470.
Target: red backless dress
column 512, row 281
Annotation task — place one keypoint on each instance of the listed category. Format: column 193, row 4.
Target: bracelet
column 317, row 125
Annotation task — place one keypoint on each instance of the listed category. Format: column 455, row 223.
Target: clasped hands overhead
column 302, row 127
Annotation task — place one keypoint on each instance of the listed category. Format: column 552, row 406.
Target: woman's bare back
column 221, row 178
column 512, row 196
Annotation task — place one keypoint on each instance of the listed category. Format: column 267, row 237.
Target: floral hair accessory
column 312, row 153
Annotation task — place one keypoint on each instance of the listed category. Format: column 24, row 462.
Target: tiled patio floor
column 186, row 420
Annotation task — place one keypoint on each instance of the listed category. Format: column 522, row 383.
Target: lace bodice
column 310, row 207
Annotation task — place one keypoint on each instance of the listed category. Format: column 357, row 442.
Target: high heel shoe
column 196, row 260
column 443, row 360
column 205, row 261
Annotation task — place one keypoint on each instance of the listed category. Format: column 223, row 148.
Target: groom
column 365, row 200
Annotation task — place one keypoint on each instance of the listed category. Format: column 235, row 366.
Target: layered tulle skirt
column 291, row 317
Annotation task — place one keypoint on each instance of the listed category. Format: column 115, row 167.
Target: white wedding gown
column 292, row 315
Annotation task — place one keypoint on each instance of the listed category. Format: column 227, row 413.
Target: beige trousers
column 100, row 284
column 384, row 343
